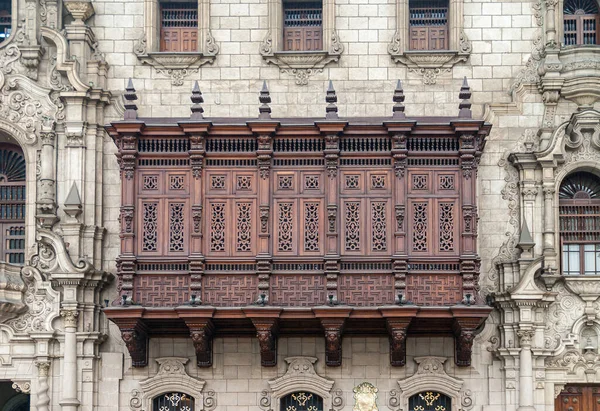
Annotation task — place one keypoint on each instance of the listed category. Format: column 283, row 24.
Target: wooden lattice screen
column 303, row 26
column 179, row 27
column 428, row 21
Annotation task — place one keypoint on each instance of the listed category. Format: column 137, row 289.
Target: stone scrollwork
column 12, row 290
column 177, row 75
column 431, row 375
column 300, row 375
column 172, row 376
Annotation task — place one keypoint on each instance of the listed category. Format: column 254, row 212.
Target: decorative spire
column 331, row 111
column 265, row 98
column 399, row 100
column 197, row 99
column 465, row 104
column 130, row 98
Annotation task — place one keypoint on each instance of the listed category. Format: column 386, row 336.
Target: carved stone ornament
column 70, row 318
column 301, row 65
column 12, row 291
column 365, row 397
column 177, row 66
column 80, row 10
column 172, row 377
column 581, row 72
column 431, row 376
column 300, row 376
column 429, row 64
column 22, row 386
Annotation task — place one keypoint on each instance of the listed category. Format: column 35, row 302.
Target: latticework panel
column 161, row 290
column 366, row 289
column 229, row 290
column 297, row 289
column 434, row 289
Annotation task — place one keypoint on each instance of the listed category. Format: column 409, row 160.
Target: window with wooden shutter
column 428, row 24
column 579, row 208
column 303, row 26
column 580, row 22
column 179, row 27
column 12, row 205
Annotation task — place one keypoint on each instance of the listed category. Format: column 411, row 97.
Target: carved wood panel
column 299, row 290
column 298, row 216
column 578, row 398
column 366, row 218
column 229, row 290
column 434, row 289
column 366, row 289
column 161, row 290
column 231, row 215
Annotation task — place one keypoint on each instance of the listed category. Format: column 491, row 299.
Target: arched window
column 428, row 21
column 301, row 401
column 580, row 22
column 429, row 401
column 12, row 204
column 579, row 209
column 173, row 401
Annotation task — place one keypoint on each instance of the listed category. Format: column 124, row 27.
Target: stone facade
column 62, row 74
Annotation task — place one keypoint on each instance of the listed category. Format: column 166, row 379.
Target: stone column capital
column 70, row 317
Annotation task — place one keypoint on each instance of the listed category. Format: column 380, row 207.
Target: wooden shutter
column 179, row 27
column 428, row 22
column 303, row 26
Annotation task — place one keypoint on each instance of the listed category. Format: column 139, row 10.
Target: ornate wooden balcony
column 233, row 226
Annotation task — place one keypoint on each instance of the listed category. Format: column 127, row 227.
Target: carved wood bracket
column 202, row 337
column 135, row 335
column 333, row 321
column 266, row 322
column 397, row 328
column 464, row 334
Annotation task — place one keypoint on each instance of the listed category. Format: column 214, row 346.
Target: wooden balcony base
column 203, row 323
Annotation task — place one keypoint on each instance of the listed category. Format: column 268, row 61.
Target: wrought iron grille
column 429, row 401
column 301, row 401
column 173, row 401
column 12, row 206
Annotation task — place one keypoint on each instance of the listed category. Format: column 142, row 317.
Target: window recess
column 428, row 20
column 179, row 27
column 580, row 22
column 303, row 26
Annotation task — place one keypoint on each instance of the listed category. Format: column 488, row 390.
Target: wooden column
column 197, row 135
column 330, row 131
column 127, row 158
column 264, row 131
column 399, row 132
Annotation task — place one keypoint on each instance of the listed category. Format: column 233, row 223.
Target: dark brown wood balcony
column 274, row 227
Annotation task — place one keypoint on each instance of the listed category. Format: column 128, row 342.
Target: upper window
column 173, row 401
column 301, row 401
column 580, row 22
column 179, row 26
column 5, row 19
column 428, row 21
column 579, row 203
column 429, row 401
column 302, row 26
column 12, row 204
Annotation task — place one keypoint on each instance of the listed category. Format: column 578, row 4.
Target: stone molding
column 303, row 64
column 431, row 375
column 300, row 376
column 428, row 63
column 172, row 377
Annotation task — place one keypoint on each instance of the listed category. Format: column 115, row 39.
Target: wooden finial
column 331, row 111
column 197, row 99
column 399, row 100
column 465, row 104
column 265, row 98
column 130, row 98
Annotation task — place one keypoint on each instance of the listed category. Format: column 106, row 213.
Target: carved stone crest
column 365, row 397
